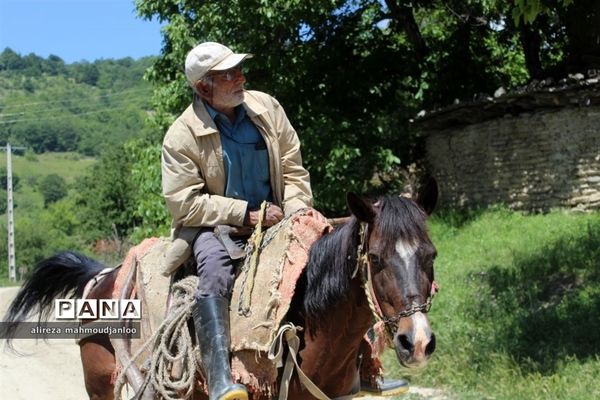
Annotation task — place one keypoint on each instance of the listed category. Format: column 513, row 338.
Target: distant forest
column 50, row 106
column 73, row 182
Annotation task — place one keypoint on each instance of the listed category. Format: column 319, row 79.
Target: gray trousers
column 216, row 270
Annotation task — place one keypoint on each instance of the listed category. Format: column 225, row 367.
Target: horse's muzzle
column 414, row 341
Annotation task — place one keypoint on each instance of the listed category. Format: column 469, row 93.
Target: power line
column 100, row 96
column 61, row 116
column 52, row 110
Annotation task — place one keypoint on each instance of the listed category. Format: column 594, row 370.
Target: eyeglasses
column 229, row 74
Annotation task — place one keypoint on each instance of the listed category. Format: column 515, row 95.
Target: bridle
column 363, row 265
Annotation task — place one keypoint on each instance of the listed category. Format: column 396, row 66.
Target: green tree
column 54, row 65
column 62, row 215
column 16, row 180
column 150, row 209
column 53, row 188
column 104, row 198
column 350, row 74
column 86, row 73
column 58, row 134
column 65, row 115
column 3, row 201
column 10, row 60
column 35, row 239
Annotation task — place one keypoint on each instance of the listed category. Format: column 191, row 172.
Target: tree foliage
column 527, row 11
column 3, row 201
column 105, row 197
column 148, row 204
column 352, row 73
column 53, row 187
column 48, row 105
column 38, row 235
column 16, row 180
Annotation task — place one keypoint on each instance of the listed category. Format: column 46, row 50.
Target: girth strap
column 287, row 332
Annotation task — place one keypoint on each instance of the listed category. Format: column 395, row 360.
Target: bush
column 31, row 156
column 3, row 201
column 53, row 188
column 3, row 178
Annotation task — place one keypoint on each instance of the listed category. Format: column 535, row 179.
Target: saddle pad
column 282, row 258
column 151, row 287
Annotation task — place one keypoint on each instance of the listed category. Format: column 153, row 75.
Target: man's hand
column 273, row 215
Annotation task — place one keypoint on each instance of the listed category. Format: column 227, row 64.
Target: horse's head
column 398, row 269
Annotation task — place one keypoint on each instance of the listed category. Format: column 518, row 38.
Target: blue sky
column 77, row 30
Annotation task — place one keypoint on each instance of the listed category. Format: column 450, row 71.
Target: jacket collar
column 196, row 116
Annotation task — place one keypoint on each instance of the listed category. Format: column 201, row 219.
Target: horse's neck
column 103, row 288
column 330, row 356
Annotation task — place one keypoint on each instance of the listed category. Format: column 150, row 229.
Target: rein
column 363, row 265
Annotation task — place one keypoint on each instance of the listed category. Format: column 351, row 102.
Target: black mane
column 333, row 258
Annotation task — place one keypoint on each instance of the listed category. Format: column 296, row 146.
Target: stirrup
column 237, row 392
column 384, row 388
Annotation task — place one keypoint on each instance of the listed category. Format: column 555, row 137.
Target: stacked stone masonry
column 531, row 161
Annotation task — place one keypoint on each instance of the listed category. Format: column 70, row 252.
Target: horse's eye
column 376, row 262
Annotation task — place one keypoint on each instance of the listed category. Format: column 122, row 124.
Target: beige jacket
column 193, row 175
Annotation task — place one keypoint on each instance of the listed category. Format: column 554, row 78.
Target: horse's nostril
column 430, row 346
column 405, row 343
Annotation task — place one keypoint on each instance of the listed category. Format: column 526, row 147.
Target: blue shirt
column 245, row 158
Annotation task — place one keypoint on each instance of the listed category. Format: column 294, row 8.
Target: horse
column 378, row 265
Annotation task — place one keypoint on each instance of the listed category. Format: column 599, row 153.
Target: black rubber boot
column 392, row 387
column 211, row 319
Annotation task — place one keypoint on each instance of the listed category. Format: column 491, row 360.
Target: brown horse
column 379, row 264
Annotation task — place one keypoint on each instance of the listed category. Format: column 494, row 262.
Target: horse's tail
column 63, row 275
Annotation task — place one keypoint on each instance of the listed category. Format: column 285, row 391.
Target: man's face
column 226, row 88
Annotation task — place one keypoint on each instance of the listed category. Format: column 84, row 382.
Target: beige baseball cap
column 210, row 56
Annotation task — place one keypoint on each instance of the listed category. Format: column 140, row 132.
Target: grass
column 30, row 168
column 67, row 165
column 5, row 282
column 517, row 314
column 28, row 201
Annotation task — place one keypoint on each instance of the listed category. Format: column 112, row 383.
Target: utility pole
column 12, row 265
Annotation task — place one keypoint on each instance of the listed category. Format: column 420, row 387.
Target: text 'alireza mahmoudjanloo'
column 101, row 309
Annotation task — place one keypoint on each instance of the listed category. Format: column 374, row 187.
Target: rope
column 172, row 343
column 254, row 243
column 362, row 266
column 366, row 286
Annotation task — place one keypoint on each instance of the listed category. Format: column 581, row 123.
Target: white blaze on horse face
column 406, row 250
column 422, row 331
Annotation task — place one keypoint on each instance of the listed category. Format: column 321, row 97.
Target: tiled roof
column 574, row 91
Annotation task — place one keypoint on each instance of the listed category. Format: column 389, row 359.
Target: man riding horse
column 227, row 153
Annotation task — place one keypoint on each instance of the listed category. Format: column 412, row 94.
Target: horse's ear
column 427, row 195
column 361, row 207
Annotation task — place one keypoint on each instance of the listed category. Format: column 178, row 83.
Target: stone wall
column 531, row 161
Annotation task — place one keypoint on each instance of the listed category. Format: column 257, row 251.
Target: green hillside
column 47, row 105
column 71, row 186
column 30, row 169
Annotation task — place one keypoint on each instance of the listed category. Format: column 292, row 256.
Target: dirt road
column 50, row 371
